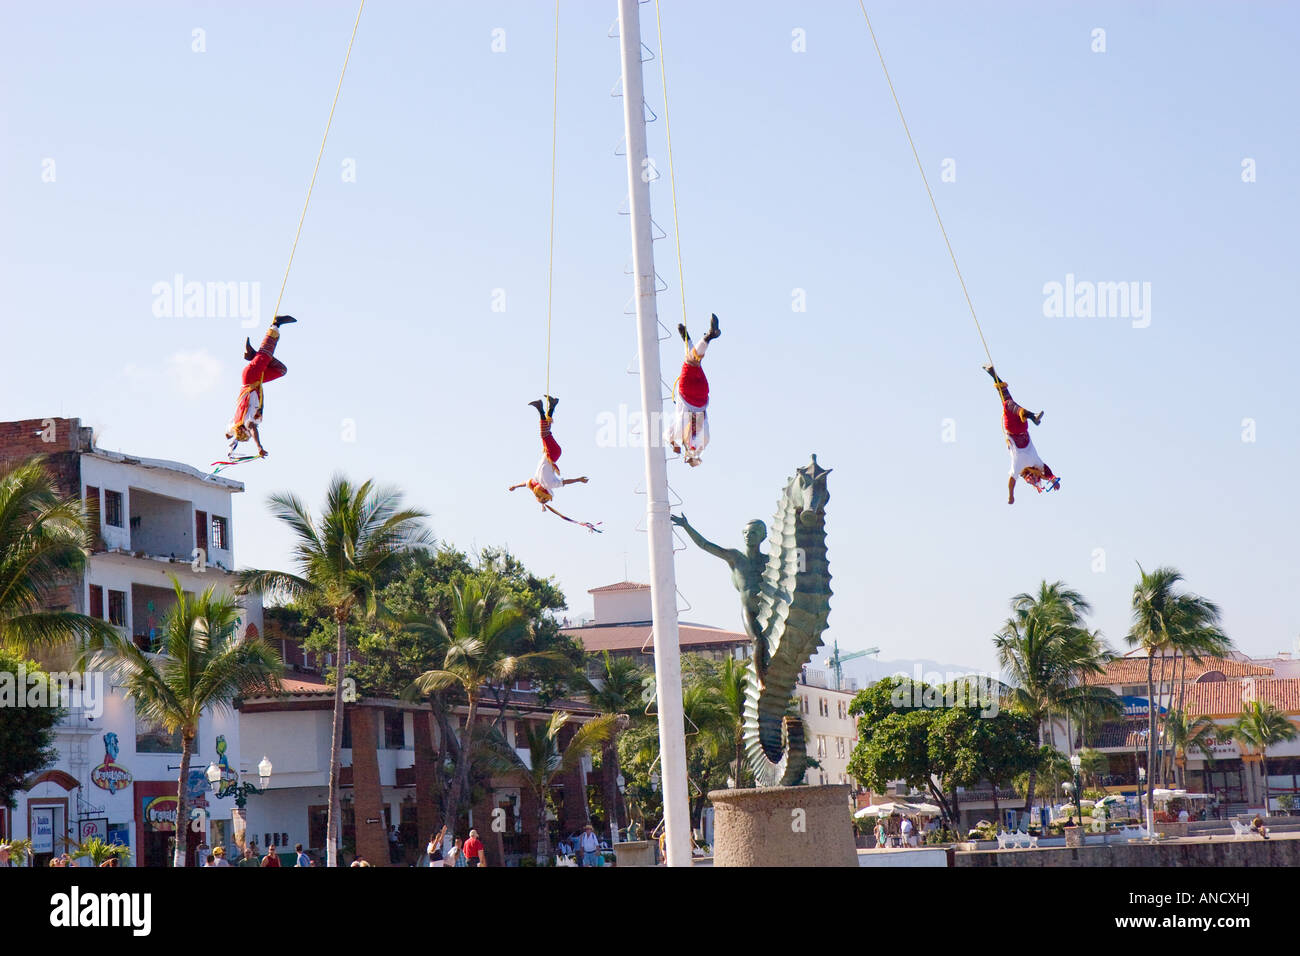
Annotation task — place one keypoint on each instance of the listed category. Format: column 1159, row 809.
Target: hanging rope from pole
column 672, row 173
column 262, row 365
column 319, row 155
column 550, row 264
column 928, row 191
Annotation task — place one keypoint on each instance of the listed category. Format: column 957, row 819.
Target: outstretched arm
column 574, row 481
column 521, row 484
column 704, row 544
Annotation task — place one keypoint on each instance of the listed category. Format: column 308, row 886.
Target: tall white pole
column 663, row 578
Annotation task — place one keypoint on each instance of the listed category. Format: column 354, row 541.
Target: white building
column 830, row 733
column 117, row 777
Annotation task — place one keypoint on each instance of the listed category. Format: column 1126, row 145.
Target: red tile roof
column 1133, row 670
column 634, row 637
column 1227, row 698
column 620, row 586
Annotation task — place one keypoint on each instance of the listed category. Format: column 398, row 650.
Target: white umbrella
column 880, row 810
column 924, row 809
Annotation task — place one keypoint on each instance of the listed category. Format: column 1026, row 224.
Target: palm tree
column 616, row 689
column 1093, row 765
column 1260, row 726
column 338, row 561
column 548, row 759
column 44, row 539
column 1048, row 653
column 202, row 665
column 1165, row 622
column 1183, row 735
column 731, row 682
column 483, row 649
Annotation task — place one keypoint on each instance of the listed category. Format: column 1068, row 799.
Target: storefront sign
column 42, row 829
column 159, row 814
column 110, row 775
column 1138, row 706
column 92, row 828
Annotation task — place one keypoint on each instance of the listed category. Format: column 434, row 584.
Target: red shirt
column 473, row 848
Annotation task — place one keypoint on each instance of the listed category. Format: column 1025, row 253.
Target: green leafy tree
column 202, row 664
column 997, row 748
column 709, row 733
column 615, row 690
column 26, row 733
column 44, row 539
column 1093, row 766
column 550, row 757
column 895, row 739
column 339, row 561
column 1185, row 735
column 1049, row 654
column 1260, row 726
column 485, row 647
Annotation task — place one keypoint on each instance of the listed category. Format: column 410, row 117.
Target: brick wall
column 426, row 777
column 372, row 838
column 67, row 439
column 21, row 440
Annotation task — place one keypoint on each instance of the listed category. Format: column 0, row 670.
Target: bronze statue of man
column 747, row 568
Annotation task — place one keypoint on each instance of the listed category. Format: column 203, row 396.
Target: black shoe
column 551, row 402
column 537, row 404
column 283, row 320
column 249, row 352
column 989, row 368
column 681, row 330
column 714, row 331
column 1038, row 419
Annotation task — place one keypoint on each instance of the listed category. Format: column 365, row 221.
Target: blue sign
column 1138, row 707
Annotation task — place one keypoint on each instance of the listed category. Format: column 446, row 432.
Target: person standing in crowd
column 905, row 828
column 473, row 850
column 589, row 845
column 271, row 859
column 219, row 857
column 879, row 832
column 434, row 852
column 303, row 858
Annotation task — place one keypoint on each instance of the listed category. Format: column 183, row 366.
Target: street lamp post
column 1075, row 765
column 240, row 791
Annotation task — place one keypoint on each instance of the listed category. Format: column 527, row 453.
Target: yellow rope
column 550, row 265
column 302, row 218
column 928, row 191
column 672, row 175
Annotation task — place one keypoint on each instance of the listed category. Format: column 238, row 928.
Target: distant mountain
column 867, row 670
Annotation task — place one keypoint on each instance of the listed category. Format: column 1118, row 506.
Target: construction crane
column 837, row 660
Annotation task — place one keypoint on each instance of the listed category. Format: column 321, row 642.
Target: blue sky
column 793, row 174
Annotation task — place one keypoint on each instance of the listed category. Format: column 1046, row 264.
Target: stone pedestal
column 783, row 826
column 1074, row 836
column 635, row 853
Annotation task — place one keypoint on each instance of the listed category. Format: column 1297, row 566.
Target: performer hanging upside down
column 689, row 426
column 262, row 367
column 1025, row 462
column 546, row 480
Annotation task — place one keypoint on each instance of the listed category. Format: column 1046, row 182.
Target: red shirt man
column 473, row 850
